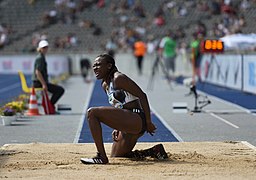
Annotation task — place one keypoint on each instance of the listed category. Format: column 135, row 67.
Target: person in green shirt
column 167, row 48
column 196, row 55
column 40, row 75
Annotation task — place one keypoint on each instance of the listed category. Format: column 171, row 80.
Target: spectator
column 86, row 24
column 159, row 20
column 215, row 7
column 201, row 28
column 139, row 10
column 140, row 50
column 97, row 31
column 167, row 50
column 4, row 31
column 72, row 40
column 101, row 3
column 3, row 39
column 111, row 47
column 50, row 17
column 196, row 55
column 160, row 10
column 151, row 44
column 71, row 11
column 184, row 57
column 58, row 43
column 182, row 10
column 245, row 4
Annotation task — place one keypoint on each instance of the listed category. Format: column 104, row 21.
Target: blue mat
column 99, row 98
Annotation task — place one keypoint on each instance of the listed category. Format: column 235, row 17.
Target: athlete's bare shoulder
column 119, row 76
column 122, row 80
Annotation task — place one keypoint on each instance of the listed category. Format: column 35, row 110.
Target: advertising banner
column 223, row 70
column 249, row 72
column 11, row 64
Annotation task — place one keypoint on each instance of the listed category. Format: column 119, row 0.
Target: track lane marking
column 224, row 120
column 249, row 145
column 167, row 125
column 80, row 126
column 8, row 88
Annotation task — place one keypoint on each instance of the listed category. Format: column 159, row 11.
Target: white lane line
column 249, row 145
column 167, row 125
column 81, row 123
column 8, row 88
column 228, row 111
column 224, row 120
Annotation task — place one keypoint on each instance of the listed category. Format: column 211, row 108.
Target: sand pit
column 187, row 160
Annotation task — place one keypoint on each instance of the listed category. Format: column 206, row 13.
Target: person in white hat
column 40, row 74
column 42, row 44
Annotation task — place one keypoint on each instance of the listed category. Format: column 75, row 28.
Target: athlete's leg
column 172, row 65
column 140, row 61
column 124, row 144
column 120, row 119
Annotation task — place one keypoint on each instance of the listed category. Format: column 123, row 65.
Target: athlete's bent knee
column 91, row 112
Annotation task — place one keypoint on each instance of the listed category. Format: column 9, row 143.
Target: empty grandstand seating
column 25, row 19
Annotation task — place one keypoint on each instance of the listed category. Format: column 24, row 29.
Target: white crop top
column 118, row 98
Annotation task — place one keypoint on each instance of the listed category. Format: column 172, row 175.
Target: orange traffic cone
column 33, row 107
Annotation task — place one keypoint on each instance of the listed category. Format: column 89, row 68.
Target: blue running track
column 246, row 100
column 243, row 99
column 99, row 98
column 10, row 87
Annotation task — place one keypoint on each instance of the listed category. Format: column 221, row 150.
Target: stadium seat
column 24, row 84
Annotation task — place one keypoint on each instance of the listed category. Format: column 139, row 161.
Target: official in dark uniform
column 40, row 74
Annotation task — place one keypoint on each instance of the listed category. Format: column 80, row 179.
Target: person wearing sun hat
column 42, row 44
column 40, row 74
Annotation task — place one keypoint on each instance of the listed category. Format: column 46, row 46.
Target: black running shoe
column 159, row 152
column 95, row 160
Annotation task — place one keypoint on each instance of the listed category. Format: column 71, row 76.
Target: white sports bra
column 118, row 98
